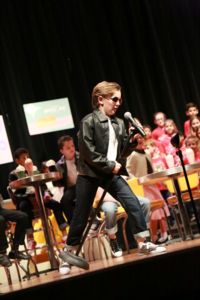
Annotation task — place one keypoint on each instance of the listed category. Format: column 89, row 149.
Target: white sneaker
column 115, row 249
column 163, row 239
column 159, row 249
column 149, row 247
column 64, row 268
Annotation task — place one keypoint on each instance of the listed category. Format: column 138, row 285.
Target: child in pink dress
column 139, row 164
column 159, row 164
column 148, row 136
column 159, row 121
column 170, row 129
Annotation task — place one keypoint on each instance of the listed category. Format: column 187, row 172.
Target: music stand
column 175, row 141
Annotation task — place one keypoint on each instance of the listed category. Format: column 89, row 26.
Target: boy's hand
column 116, row 168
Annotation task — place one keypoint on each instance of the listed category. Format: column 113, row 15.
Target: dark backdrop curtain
column 61, row 48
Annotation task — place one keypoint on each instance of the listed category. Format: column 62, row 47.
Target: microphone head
column 135, row 123
column 127, row 115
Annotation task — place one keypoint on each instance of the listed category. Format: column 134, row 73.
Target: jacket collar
column 104, row 118
column 62, row 159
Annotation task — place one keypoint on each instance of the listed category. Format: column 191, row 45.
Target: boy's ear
column 100, row 100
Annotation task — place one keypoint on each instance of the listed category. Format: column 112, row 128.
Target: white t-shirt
column 113, row 143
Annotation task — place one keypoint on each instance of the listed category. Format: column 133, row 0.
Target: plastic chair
column 136, row 187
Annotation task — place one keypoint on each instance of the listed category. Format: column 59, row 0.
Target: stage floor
column 177, row 253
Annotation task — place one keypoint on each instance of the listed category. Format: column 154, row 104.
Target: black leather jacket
column 93, row 138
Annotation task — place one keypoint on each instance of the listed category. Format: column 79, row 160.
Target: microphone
column 137, row 126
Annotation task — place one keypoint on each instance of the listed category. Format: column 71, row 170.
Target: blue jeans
column 110, row 209
column 86, row 188
column 146, row 206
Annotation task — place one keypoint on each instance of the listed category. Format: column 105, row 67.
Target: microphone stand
column 175, row 141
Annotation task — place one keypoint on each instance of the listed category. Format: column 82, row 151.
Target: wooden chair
column 97, row 246
column 194, row 185
column 173, row 201
column 18, row 264
column 40, row 253
column 123, row 217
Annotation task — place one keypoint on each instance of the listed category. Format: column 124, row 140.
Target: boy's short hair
column 63, row 139
column 191, row 104
column 19, row 151
column 103, row 88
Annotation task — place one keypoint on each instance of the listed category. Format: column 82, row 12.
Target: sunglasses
column 115, row 99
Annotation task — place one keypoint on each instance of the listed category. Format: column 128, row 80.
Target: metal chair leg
column 8, row 275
